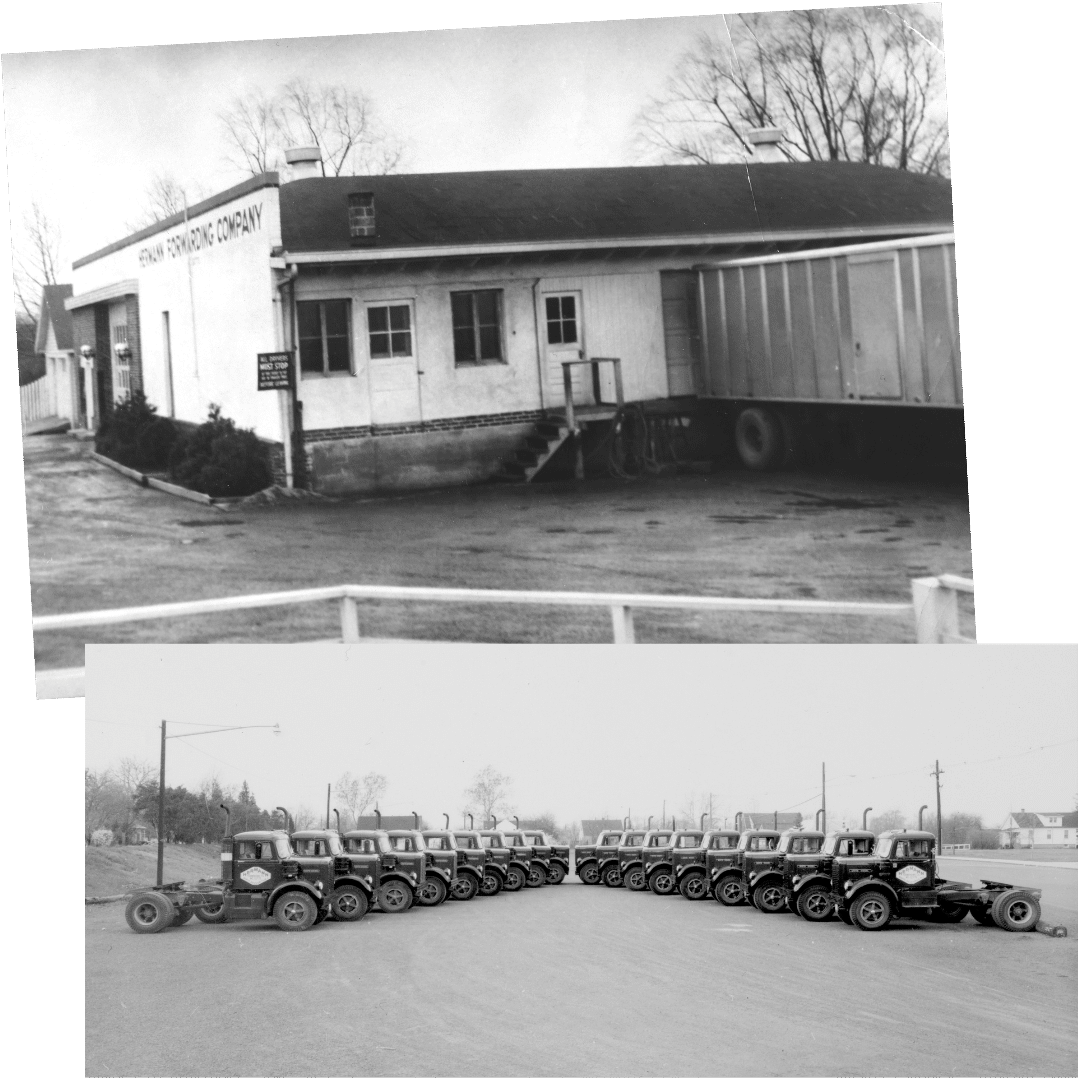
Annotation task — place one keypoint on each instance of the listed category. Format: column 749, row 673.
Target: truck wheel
column 537, row 875
column 729, row 891
column 694, row 887
column 662, row 882
column 759, row 439
column 871, row 910
column 844, row 915
column 1016, row 910
column 393, row 897
column 948, row 913
column 590, row 874
column 613, row 877
column 769, row 898
column 515, row 879
column 491, row 885
column 295, row 911
column 814, row 904
column 464, row 887
column 211, row 913
column 150, row 913
column 349, row 903
column 982, row 914
column 432, row 892
column 556, row 874
column 182, row 916
column 635, row 879
column 323, row 915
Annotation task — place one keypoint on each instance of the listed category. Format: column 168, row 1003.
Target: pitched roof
column 1027, row 820
column 53, row 311
column 567, row 205
column 595, row 826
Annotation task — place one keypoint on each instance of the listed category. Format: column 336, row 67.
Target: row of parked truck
column 298, row 879
column 863, row 879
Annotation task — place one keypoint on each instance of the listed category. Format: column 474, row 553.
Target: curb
column 145, row 480
column 1051, row 931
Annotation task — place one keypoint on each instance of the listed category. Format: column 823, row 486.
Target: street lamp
column 161, row 783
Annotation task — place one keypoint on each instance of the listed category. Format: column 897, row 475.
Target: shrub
column 134, row 435
column 154, row 443
column 101, row 837
column 220, row 459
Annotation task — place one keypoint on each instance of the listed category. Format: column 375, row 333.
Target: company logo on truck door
column 201, row 237
column 910, row 874
column 256, row 875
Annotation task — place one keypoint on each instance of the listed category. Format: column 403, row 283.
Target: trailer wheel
column 214, row 913
column 1016, row 910
column 982, row 914
column 491, row 885
column 464, row 887
column 515, row 879
column 636, row 880
column 182, row 916
column 759, row 439
column 556, row 874
column 295, row 911
column 150, row 913
column 393, row 897
column 612, row 877
column 590, row 874
column 871, row 910
column 769, row 898
column 694, row 886
column 662, row 882
column 949, row 913
column 729, row 891
column 432, row 892
column 349, row 903
column 814, row 904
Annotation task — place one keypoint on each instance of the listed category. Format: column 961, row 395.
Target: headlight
column 318, row 885
column 796, row 879
column 413, row 876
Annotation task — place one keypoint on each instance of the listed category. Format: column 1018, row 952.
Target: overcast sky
column 586, row 732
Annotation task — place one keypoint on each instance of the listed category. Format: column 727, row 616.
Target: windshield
column 361, row 845
column 536, row 838
column 440, row 843
column 690, row 840
column 408, row 842
column 723, row 843
column 263, row 849
column 912, row 849
column 611, row 840
column 804, row 845
column 466, row 840
column 496, row 841
column 633, row 839
column 660, row 840
column 317, row 845
column 759, row 843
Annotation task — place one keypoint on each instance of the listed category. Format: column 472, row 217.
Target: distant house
column 388, row 821
column 591, row 828
column 770, row 820
column 1025, row 829
column 64, row 391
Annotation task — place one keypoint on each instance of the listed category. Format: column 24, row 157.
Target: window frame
column 326, row 373
column 397, row 301
column 500, row 314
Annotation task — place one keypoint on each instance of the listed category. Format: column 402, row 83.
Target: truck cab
column 352, row 894
column 473, row 859
column 506, row 861
column 759, row 859
column 689, row 862
column 263, row 876
column 808, row 874
column 683, row 849
column 725, row 864
column 535, row 859
column 633, row 874
column 608, row 865
column 557, row 855
column 763, row 871
column 393, row 874
column 464, row 882
column 587, row 856
column 439, row 867
column 656, row 860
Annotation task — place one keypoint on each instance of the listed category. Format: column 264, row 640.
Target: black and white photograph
column 635, row 331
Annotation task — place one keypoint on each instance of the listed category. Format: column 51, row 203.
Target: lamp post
column 161, row 782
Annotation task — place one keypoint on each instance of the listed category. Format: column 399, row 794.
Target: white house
column 63, row 382
column 1024, row 829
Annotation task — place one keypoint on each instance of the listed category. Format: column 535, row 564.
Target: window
column 722, row 843
column 561, row 320
column 477, row 318
column 323, row 330
column 389, row 331
column 361, row 215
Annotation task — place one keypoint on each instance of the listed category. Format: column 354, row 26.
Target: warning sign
column 255, row 875
column 275, row 371
column 911, row 874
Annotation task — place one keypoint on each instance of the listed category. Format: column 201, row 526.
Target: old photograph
column 635, row 331
column 859, row 861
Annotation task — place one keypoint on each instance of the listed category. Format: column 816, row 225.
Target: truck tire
column 432, row 892
column 769, row 898
column 515, row 879
column 323, row 915
column 394, row 897
column 212, row 913
column 464, row 887
column 537, row 875
column 729, row 891
column 759, row 439
column 635, row 880
column 662, row 881
column 182, row 916
column 1016, row 910
column 871, row 910
column 844, row 915
column 556, row 874
column 349, row 903
column 982, row 914
column 295, row 910
column 612, row 877
column 948, row 913
column 491, row 885
column 590, row 874
column 150, row 913
column 815, row 904
column 694, row 886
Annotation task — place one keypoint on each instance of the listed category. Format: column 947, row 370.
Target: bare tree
column 131, row 773
column 359, row 794
column 97, row 797
column 252, row 125
column 164, row 196
column 36, row 259
column 844, row 84
column 488, row 796
column 890, row 819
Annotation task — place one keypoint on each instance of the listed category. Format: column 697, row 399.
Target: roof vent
column 766, row 143
column 362, row 215
column 305, row 161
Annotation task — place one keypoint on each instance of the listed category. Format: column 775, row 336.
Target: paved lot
column 97, row 540
column 572, row 980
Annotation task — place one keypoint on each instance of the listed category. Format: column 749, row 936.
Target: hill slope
column 113, row 870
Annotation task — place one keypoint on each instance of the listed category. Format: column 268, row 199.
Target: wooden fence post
column 350, row 621
column 622, row 624
column 937, row 616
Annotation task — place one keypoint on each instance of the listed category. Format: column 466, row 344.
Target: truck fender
column 579, row 863
column 523, row 866
column 399, row 875
column 353, row 879
column 663, row 864
column 564, row 863
column 295, row 885
column 725, row 871
column 606, row 863
column 440, row 872
column 872, row 883
column 686, row 867
column 470, row 870
column 754, row 880
column 812, row 879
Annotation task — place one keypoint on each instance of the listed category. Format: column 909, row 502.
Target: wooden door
column 682, row 333
column 393, row 371
column 564, row 339
column 873, row 283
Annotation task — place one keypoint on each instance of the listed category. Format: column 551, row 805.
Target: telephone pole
column 824, row 828
column 936, row 774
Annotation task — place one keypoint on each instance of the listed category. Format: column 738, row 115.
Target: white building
column 1024, row 829
column 63, row 382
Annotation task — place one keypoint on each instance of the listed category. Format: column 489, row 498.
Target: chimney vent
column 766, row 143
column 304, row 161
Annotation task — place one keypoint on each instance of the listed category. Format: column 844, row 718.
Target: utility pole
column 328, row 806
column 936, row 774
column 823, row 821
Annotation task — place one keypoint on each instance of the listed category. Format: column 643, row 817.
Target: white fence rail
column 621, row 606
column 35, row 401
column 937, row 611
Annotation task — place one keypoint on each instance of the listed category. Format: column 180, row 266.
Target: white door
column 393, row 375
column 564, row 339
column 875, row 324
column 121, row 355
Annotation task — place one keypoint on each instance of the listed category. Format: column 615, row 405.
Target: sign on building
column 276, row 371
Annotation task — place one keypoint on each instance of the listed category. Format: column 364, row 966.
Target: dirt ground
column 571, row 980
column 99, row 541
column 117, row 869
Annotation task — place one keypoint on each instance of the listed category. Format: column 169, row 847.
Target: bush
column 134, row 435
column 220, row 459
column 101, row 837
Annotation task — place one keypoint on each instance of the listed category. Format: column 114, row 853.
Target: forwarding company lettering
column 202, row 237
